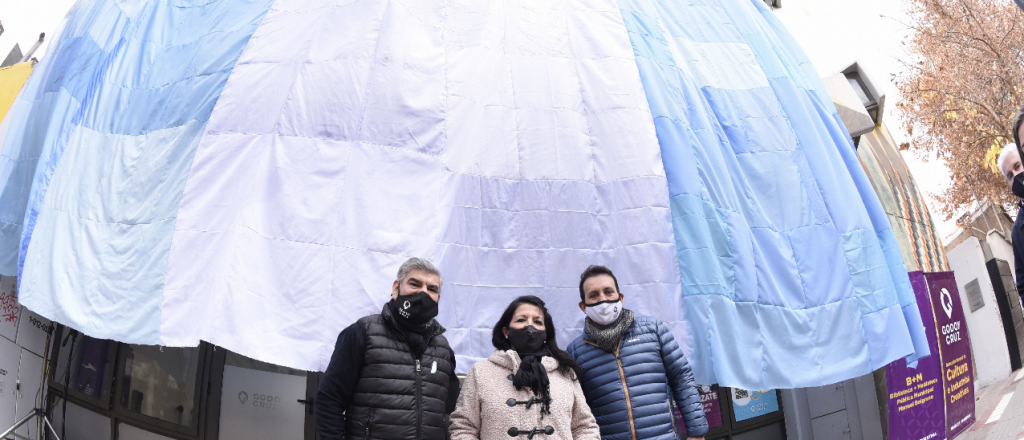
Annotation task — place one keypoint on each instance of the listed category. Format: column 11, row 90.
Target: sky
column 834, row 34
column 23, row 20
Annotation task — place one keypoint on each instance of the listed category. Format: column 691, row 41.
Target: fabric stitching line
column 447, row 94
column 304, row 50
column 470, row 246
column 710, row 313
column 696, row 161
column 594, row 185
column 599, row 214
column 512, row 91
column 418, row 18
column 362, row 142
column 863, row 331
column 803, row 284
column 373, row 69
column 803, row 288
column 701, row 199
column 198, row 141
column 579, row 84
column 584, row 114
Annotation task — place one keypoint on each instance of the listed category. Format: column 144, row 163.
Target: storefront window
column 161, row 383
column 129, row 432
column 82, row 424
column 91, row 362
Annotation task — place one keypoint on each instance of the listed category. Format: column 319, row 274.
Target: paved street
column 1000, row 411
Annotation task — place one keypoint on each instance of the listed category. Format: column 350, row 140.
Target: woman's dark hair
column 565, row 362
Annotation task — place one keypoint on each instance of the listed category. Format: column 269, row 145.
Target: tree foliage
column 960, row 89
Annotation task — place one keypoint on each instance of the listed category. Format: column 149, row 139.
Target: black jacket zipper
column 419, row 402
column 369, row 419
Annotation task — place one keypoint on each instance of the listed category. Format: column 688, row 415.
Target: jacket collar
column 509, row 360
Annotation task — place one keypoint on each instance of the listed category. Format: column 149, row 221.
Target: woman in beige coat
column 527, row 388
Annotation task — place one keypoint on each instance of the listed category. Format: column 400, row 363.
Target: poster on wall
column 748, row 404
column 712, row 408
column 261, row 404
column 954, row 352
column 915, row 391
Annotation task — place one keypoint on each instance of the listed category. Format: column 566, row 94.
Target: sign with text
column 954, row 352
column 261, row 404
column 712, row 409
column 748, row 404
column 915, row 392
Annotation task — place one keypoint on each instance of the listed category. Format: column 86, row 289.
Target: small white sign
column 260, row 404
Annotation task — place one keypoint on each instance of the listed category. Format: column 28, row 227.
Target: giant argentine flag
column 252, row 173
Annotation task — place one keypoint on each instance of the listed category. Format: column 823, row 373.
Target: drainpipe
column 31, row 50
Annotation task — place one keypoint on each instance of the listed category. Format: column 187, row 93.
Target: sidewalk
column 1000, row 411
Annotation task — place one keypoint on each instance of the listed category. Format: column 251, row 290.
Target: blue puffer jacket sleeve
column 684, row 387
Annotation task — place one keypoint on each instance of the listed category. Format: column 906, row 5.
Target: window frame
column 730, row 427
column 112, row 409
column 209, row 384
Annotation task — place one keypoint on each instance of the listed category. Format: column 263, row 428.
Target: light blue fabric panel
column 126, row 237
column 18, row 164
column 786, row 258
column 703, row 241
column 109, row 124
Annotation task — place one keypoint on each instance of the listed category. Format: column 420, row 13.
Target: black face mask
column 527, row 339
column 1018, row 185
column 416, row 309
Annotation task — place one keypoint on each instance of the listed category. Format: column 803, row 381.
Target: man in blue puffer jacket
column 632, row 368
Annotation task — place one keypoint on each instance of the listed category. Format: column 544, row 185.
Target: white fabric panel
column 509, row 142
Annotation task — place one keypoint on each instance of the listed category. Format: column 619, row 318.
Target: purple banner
column 709, row 398
column 712, row 411
column 954, row 352
column 915, row 392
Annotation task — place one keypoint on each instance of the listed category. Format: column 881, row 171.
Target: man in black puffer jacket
column 392, row 375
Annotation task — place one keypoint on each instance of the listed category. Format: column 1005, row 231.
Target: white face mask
column 605, row 312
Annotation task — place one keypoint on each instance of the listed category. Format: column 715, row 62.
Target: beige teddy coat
column 482, row 412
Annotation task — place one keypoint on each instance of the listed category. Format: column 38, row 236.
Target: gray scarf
column 608, row 339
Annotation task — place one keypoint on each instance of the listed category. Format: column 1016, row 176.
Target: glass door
column 261, row 401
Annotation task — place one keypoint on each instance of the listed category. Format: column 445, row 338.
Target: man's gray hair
column 1009, row 151
column 416, row 263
